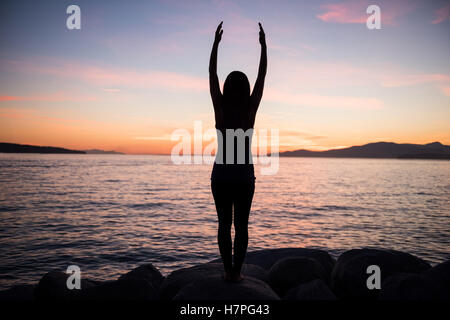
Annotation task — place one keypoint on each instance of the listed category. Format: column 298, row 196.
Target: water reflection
column 108, row 213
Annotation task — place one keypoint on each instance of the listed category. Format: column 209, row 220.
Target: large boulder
column 123, row 289
column 147, row 273
column 433, row 284
column 349, row 276
column 292, row 271
column 441, row 274
column 141, row 283
column 215, row 288
column 315, row 290
column 182, row 277
column 266, row 258
column 412, row 286
column 23, row 292
column 53, row 286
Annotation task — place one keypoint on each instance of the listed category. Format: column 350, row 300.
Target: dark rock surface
column 433, row 284
column 122, row 289
column 315, row 290
column 266, row 258
column 412, row 286
column 142, row 283
column 440, row 273
column 214, row 288
column 23, row 292
column 350, row 273
column 53, row 286
column 182, row 277
column 292, row 271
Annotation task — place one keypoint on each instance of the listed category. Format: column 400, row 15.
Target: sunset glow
column 136, row 71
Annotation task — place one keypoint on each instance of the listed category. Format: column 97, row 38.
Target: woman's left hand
column 219, row 32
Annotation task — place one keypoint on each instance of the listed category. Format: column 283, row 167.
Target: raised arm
column 214, row 87
column 259, row 84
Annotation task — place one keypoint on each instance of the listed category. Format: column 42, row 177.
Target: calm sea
column 110, row 213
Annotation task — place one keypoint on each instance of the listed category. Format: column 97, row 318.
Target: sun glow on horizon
column 131, row 76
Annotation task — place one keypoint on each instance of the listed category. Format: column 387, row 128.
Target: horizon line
column 196, row 154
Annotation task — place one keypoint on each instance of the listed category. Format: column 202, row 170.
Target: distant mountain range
column 435, row 150
column 25, row 148
column 97, row 151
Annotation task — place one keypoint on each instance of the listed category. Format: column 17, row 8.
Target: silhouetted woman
column 233, row 181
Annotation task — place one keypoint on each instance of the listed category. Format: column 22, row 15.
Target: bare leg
column 242, row 205
column 224, row 213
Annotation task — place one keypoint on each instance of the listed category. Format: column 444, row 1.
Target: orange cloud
column 442, row 14
column 36, row 127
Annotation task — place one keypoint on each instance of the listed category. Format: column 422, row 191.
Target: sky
column 138, row 70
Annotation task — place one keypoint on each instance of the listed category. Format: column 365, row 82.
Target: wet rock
column 412, row 286
column 215, row 288
column 122, row 289
column 183, row 277
column 433, row 284
column 266, row 258
column 18, row 293
column 53, row 286
column 147, row 273
column 349, row 276
column 292, row 271
column 141, row 283
column 315, row 290
column 441, row 274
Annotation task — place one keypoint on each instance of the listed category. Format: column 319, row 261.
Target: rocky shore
column 271, row 274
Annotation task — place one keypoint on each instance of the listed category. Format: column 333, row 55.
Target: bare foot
column 237, row 277
column 227, row 276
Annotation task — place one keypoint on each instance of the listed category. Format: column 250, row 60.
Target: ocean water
column 109, row 213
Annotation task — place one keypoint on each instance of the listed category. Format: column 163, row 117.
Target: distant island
column 25, row 148
column 435, row 150
column 97, row 151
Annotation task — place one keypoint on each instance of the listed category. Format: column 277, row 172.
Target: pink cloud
column 440, row 81
column 446, row 91
column 111, row 90
column 293, row 51
column 55, row 97
column 354, row 11
column 347, row 12
column 322, row 101
column 409, row 80
column 442, row 14
column 324, row 75
column 113, row 77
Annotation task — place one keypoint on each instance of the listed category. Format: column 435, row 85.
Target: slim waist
column 233, row 172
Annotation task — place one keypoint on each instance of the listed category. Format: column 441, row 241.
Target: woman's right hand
column 262, row 35
column 219, row 32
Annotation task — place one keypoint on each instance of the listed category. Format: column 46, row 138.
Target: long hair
column 236, row 95
column 236, row 91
